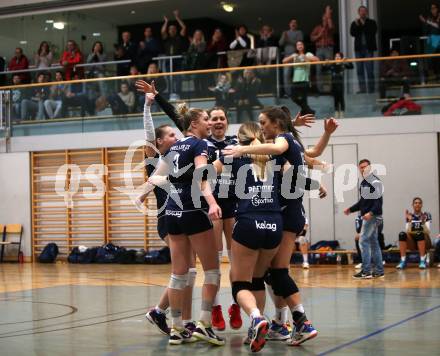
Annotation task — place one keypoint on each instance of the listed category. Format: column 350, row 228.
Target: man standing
column 370, row 207
column 364, row 31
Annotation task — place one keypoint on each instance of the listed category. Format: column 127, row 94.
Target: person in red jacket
column 18, row 62
column 71, row 57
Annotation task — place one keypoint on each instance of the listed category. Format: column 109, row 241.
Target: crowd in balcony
column 192, row 52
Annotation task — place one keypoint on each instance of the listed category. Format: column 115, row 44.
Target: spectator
column 44, row 56
column 54, row 104
column 288, row 42
column 394, row 72
column 301, row 77
column 195, row 59
column 70, row 58
column 242, row 39
column 432, row 30
column 17, row 95
column 123, row 102
column 128, row 46
column 147, row 50
column 122, row 69
column 175, row 44
column 370, row 207
column 76, row 95
column 322, row 37
column 266, row 38
column 223, row 91
column 33, row 107
column 416, row 234
column 216, row 44
column 159, row 81
column 247, row 88
column 364, row 31
column 19, row 62
column 402, row 106
column 97, row 55
column 338, row 91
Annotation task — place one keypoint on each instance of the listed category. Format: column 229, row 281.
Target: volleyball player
column 189, row 224
column 258, row 229
column 224, row 194
column 276, row 124
column 162, row 138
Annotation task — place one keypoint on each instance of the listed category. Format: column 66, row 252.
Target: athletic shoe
column 383, row 263
column 257, row 334
column 401, row 265
column 288, row 326
column 358, row 266
column 181, row 336
column 278, row 331
column 217, row 320
column 206, row 333
column 234, row 316
column 378, row 275
column 362, row 275
column 306, row 265
column 190, row 326
column 159, row 320
column 422, row 264
column 246, row 340
column 301, row 334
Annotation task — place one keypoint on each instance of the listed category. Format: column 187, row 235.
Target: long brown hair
column 281, row 115
column 249, row 134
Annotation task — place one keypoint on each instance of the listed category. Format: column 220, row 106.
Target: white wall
column 407, row 146
column 15, row 193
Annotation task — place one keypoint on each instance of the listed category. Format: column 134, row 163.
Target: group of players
column 207, row 184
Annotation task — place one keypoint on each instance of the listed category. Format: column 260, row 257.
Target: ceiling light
column 132, row 12
column 59, row 25
column 228, row 7
column 23, row 42
column 49, row 21
column 413, row 64
column 96, row 34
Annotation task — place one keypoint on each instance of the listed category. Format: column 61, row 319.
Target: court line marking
column 378, row 331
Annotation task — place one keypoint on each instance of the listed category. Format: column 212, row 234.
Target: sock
column 306, row 257
column 186, row 321
column 229, row 256
column 271, row 293
column 403, row 259
column 205, row 313
column 284, row 315
column 277, row 317
column 423, row 258
column 159, row 310
column 216, row 300
column 298, row 314
column 255, row 313
column 176, row 319
column 220, row 256
column 298, row 308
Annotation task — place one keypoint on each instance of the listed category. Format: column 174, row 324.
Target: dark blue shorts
column 294, row 217
column 187, row 222
column 228, row 206
column 259, row 231
column 162, row 228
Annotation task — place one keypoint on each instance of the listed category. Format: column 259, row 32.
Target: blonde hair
column 188, row 115
column 249, row 134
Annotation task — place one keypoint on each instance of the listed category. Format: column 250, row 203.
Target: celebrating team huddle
column 249, row 187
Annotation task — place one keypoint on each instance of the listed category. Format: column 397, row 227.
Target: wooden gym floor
column 67, row 309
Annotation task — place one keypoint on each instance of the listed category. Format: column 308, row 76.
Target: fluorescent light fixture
column 132, row 12
column 49, row 21
column 96, row 34
column 228, row 7
column 413, row 64
column 23, row 42
column 59, row 25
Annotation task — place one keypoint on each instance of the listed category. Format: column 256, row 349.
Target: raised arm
column 150, row 135
column 330, row 125
column 277, row 148
column 181, row 23
column 163, row 30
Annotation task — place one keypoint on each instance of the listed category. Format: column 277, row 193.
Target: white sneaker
column 358, row 266
column 306, row 265
column 383, row 263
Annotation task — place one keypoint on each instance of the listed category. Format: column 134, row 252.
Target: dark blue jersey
column 160, row 193
column 225, row 182
column 180, row 159
column 417, row 221
column 256, row 195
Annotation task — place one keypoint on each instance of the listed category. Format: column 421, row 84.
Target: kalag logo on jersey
column 257, row 201
column 263, row 225
column 177, row 214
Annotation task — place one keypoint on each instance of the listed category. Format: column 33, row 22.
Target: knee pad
column 268, row 278
column 212, row 276
column 402, row 236
column 238, row 286
column 258, row 284
column 419, row 236
column 192, row 274
column 302, row 240
column 178, row 281
column 282, row 284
